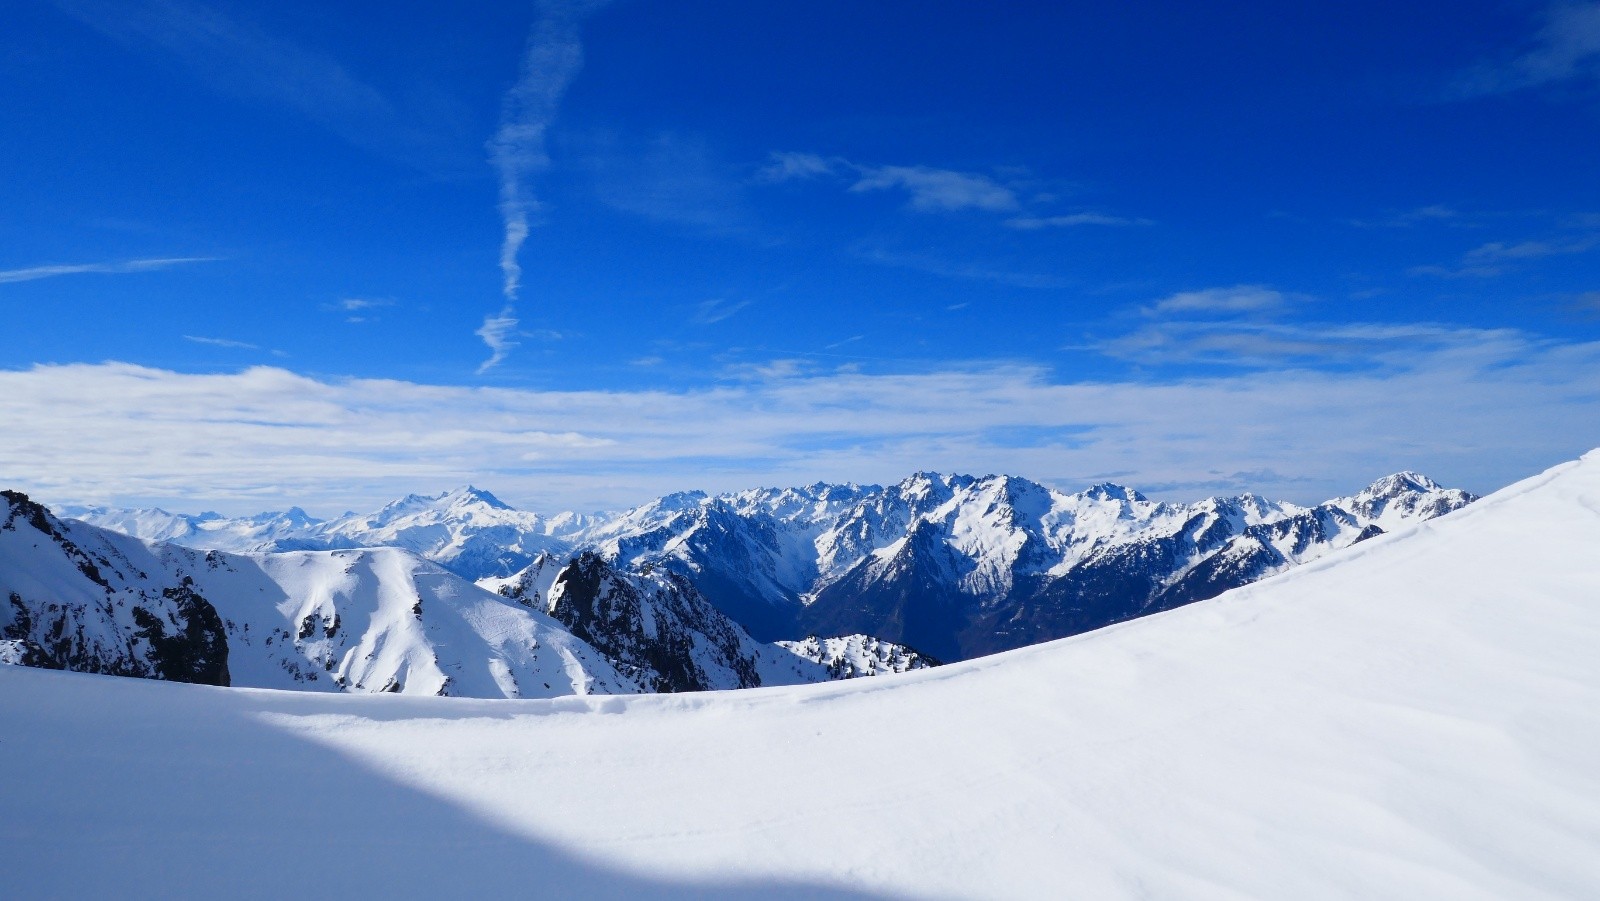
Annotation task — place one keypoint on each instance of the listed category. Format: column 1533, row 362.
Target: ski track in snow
column 1417, row 717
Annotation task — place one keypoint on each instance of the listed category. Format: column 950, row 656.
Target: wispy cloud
column 787, row 165
column 1478, row 409
column 357, row 304
column 927, row 188
column 237, row 57
column 1438, row 271
column 1566, row 47
column 716, row 310
column 1432, row 214
column 1072, row 220
column 499, row 333
column 673, row 178
column 1497, row 251
column 359, row 309
column 939, row 190
column 1588, row 300
column 1495, row 257
column 552, row 59
column 1237, row 299
column 930, row 189
column 37, row 272
column 222, row 342
column 1269, row 345
column 946, row 268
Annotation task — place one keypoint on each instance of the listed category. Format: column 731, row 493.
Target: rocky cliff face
column 656, row 627
column 85, row 606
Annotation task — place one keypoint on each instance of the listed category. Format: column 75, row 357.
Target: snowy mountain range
column 953, row 566
column 468, row 531
column 381, row 619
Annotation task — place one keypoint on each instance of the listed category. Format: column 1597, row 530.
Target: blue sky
column 258, row 254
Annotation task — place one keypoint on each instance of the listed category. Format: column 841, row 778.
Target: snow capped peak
column 469, row 495
column 1400, row 483
column 466, row 496
column 293, row 518
column 677, row 502
column 926, row 484
column 1111, row 491
column 1404, row 497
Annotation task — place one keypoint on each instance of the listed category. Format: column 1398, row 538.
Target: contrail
column 37, row 272
column 552, row 59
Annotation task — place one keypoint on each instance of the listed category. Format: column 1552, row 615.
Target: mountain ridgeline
column 82, row 598
column 940, row 567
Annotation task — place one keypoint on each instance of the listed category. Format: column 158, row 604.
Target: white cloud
column 1496, row 251
column 931, row 189
column 37, row 272
column 939, row 190
column 499, row 333
column 1032, row 223
column 1432, row 214
column 356, row 304
column 552, row 59
column 1566, row 47
column 716, row 310
column 946, row 268
column 1262, row 344
column 1472, row 408
column 1457, row 271
column 674, row 178
column 1237, row 299
column 234, row 55
column 222, row 342
column 787, row 165
column 1493, row 259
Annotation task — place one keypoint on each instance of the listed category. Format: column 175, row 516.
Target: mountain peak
column 1400, row 483
column 1111, row 491
column 474, row 495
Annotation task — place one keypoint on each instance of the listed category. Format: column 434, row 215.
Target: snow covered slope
column 1414, row 718
column 91, row 600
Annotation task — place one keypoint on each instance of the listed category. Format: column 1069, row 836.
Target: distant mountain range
column 952, row 566
column 78, row 597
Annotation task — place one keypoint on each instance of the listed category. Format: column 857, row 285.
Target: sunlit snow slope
column 1417, row 717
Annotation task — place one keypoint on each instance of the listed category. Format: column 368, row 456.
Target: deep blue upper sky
column 1139, row 194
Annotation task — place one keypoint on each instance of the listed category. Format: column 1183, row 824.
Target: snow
column 467, row 530
column 1416, row 717
column 378, row 619
column 852, row 656
column 765, row 555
